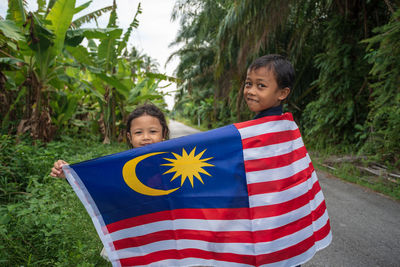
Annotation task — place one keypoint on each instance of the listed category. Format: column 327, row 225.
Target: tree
column 38, row 40
column 334, row 96
column 54, row 76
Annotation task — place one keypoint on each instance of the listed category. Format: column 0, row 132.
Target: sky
column 153, row 36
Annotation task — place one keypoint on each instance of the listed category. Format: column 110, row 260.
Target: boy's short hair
column 282, row 68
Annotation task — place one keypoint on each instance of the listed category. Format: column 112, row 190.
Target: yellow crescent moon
column 129, row 174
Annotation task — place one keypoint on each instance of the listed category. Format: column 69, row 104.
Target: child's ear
column 284, row 93
column 128, row 135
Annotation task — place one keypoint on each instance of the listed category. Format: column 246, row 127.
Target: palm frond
column 17, row 11
column 50, row 6
column 134, row 24
column 91, row 16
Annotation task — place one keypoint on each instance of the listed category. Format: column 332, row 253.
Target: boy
column 269, row 81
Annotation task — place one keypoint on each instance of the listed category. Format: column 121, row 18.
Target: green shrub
column 48, row 227
column 383, row 124
column 42, row 222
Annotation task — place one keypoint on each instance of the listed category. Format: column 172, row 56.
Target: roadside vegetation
column 61, row 98
column 346, row 99
column 357, row 170
column 346, row 56
column 42, row 222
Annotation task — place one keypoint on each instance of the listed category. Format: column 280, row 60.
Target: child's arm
column 57, row 170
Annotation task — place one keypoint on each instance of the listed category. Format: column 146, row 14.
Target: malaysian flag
column 241, row 195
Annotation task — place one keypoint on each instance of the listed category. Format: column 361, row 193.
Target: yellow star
column 188, row 166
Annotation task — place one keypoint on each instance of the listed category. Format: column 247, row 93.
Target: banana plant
column 39, row 49
column 38, row 41
column 119, row 79
column 53, row 68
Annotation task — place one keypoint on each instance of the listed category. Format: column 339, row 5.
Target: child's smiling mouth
column 252, row 100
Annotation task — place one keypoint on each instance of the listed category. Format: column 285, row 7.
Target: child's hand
column 57, row 170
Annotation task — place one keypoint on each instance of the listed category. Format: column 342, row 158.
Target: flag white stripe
column 304, row 257
column 323, row 243
column 179, row 224
column 267, row 127
column 180, row 244
column 272, row 150
column 211, row 225
column 286, row 218
column 294, row 261
column 277, row 173
column 235, row 248
column 318, row 224
column 194, row 262
column 259, row 202
column 283, row 196
column 284, row 242
column 290, row 240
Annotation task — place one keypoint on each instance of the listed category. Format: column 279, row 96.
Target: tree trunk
column 107, row 118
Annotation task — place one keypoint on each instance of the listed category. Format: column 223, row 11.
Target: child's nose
column 250, row 90
column 146, row 136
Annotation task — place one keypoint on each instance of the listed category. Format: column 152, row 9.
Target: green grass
column 349, row 172
column 42, row 222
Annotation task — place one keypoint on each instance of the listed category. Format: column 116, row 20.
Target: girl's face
column 145, row 130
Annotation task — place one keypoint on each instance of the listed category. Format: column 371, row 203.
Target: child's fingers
column 59, row 163
column 57, row 171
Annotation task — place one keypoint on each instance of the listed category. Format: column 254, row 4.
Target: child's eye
column 138, row 132
column 261, row 85
column 247, row 84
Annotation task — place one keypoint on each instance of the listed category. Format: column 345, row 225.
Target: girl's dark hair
column 151, row 110
column 282, row 68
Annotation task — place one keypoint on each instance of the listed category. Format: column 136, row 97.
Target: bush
column 383, row 124
column 42, row 222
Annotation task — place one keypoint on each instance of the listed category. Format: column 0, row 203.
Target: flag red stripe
column 285, row 207
column 277, row 256
column 206, row 214
column 280, row 185
column 217, row 214
column 286, row 116
column 270, row 138
column 187, row 253
column 209, row 236
column 318, row 212
column 267, row 227
column 290, row 228
column 295, row 250
column 323, row 232
column 223, row 237
column 275, row 162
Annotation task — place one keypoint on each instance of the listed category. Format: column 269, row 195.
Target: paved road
column 178, row 129
column 365, row 225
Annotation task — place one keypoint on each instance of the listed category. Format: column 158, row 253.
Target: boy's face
column 261, row 90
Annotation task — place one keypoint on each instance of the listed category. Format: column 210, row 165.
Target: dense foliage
column 50, row 81
column 345, row 54
column 42, row 222
column 75, row 86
